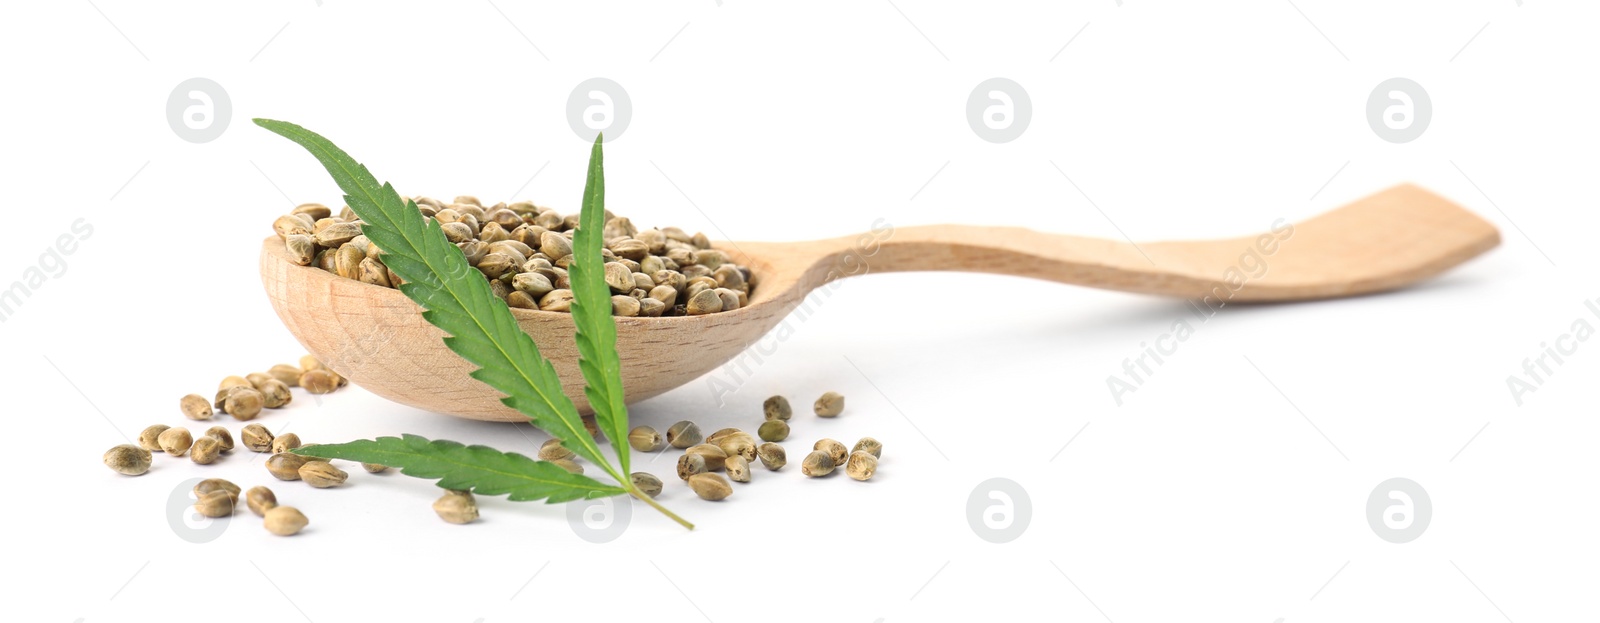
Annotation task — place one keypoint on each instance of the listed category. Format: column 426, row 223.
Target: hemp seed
column 148, row 437
column 284, row 443
column 256, row 437
column 284, row 520
column 647, row 483
column 175, row 441
column 322, row 474
column 772, row 456
column 216, row 504
column 714, row 456
column 690, row 464
column 683, row 435
column 817, row 464
column 286, row 374
column 319, row 381
column 835, row 450
column 777, row 408
column 704, row 302
column 216, row 484
column 457, row 507
column 870, row 446
column 374, row 468
column 244, row 403
column 716, row 438
column 568, row 464
column 195, row 407
column 222, row 436
column 773, row 430
column 552, row 450
column 738, row 468
column 274, row 393
column 831, row 404
column 285, row 466
column 861, row 465
column 127, row 459
column 260, row 500
column 739, row 444
column 711, row 487
column 645, row 439
column 301, row 247
column 205, row 450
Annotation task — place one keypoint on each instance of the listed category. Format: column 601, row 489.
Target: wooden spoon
column 377, row 338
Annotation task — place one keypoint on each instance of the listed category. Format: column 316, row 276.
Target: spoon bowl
column 377, row 338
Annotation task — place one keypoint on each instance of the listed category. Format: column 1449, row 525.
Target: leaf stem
column 635, row 492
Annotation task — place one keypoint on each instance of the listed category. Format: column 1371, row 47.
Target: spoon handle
column 1388, row 240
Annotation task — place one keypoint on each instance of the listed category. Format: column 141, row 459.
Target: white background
column 1208, row 495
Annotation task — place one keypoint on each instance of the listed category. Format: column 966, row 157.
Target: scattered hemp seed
column 222, row 436
column 647, row 483
column 716, row 438
column 773, row 430
column 175, row 441
column 817, row 464
column 568, row 464
column 457, row 507
column 777, row 408
column 322, row 474
column 128, row 459
column 772, row 456
column 835, row 450
column 645, row 439
column 216, row 504
column 830, row 404
column 738, row 468
column 714, row 456
column 222, row 396
column 552, row 450
column 683, row 435
column 256, row 437
column 286, row 374
column 285, row 466
column 711, row 487
column 374, row 468
column 196, row 407
column 309, row 363
column 285, row 442
column 861, row 465
column 690, row 464
column 205, row 450
column 233, row 381
column 739, row 444
column 215, row 484
column 148, row 438
column 284, row 520
column 244, row 403
column 319, row 381
column 274, row 393
column 260, row 500
column 869, row 446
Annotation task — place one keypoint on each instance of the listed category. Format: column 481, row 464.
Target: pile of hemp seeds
column 524, row 251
